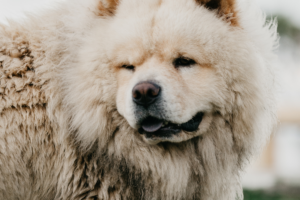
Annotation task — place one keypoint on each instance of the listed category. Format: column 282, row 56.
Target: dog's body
column 88, row 93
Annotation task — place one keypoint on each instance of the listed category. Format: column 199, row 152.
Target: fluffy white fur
column 67, row 130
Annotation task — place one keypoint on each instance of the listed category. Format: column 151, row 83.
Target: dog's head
column 192, row 75
column 164, row 54
column 166, row 66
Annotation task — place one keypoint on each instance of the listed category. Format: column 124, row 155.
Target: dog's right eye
column 128, row 67
column 183, row 62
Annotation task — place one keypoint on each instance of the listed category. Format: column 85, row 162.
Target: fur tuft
column 107, row 7
column 225, row 8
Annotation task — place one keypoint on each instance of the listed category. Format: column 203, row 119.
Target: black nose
column 145, row 93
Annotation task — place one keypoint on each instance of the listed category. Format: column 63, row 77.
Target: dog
column 131, row 99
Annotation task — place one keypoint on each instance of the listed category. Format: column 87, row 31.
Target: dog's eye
column 183, row 62
column 128, row 67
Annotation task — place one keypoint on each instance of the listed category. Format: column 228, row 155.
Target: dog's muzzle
column 154, row 127
column 145, row 95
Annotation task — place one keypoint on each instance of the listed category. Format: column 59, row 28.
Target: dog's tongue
column 151, row 125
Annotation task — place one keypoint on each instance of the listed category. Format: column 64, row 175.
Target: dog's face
column 165, row 99
column 166, row 65
column 164, row 54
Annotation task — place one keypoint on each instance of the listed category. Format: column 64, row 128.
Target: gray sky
column 15, row 8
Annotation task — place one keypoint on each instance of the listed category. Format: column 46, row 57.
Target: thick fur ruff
column 62, row 136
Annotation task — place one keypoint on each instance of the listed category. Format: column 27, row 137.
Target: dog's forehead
column 128, row 7
column 162, row 14
column 165, row 27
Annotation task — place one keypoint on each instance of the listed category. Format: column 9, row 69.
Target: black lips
column 153, row 127
column 193, row 124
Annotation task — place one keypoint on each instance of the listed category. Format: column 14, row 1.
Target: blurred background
column 275, row 175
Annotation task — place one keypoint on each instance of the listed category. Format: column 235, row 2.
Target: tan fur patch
column 226, row 9
column 107, row 7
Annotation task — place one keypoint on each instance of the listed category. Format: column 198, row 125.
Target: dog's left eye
column 183, row 62
column 128, row 67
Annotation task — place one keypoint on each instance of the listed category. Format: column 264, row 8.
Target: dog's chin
column 182, row 136
column 154, row 130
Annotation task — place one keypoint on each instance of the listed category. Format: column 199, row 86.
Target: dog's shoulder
column 20, row 84
column 27, row 135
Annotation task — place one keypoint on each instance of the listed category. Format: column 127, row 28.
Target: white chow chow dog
column 134, row 99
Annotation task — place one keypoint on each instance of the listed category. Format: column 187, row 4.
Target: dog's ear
column 107, row 7
column 224, row 8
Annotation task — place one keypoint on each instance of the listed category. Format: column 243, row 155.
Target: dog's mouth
column 154, row 127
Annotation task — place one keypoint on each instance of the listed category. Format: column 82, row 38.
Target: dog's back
column 29, row 151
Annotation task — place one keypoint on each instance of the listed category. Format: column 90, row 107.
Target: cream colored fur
column 67, row 130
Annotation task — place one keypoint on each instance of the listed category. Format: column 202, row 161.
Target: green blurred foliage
column 286, row 27
column 262, row 195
